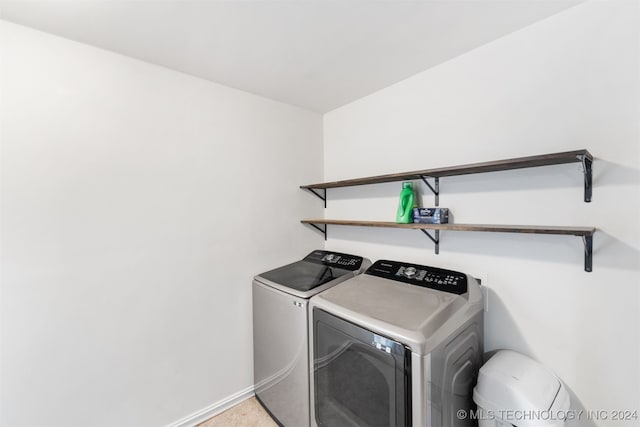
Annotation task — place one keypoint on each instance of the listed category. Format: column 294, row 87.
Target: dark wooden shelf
column 494, row 166
column 531, row 229
column 585, row 232
column 577, row 156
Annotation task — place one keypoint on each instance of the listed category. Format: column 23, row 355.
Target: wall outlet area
column 483, row 279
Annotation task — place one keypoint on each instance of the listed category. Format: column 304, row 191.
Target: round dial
column 331, row 258
column 409, row 272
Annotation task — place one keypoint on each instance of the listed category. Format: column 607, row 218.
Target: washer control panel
column 335, row 259
column 450, row 281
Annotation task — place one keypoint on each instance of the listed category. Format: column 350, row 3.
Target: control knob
column 410, row 272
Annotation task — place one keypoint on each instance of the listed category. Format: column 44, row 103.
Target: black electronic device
column 440, row 279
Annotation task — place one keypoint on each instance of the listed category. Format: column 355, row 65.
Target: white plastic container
column 514, row 389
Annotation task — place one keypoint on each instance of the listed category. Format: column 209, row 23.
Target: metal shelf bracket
column 435, row 240
column 322, row 196
column 588, row 252
column 435, row 189
column 320, row 229
column 586, row 169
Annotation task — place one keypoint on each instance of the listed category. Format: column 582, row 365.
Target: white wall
column 137, row 203
column 568, row 82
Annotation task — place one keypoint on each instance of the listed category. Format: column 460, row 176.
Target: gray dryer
column 399, row 345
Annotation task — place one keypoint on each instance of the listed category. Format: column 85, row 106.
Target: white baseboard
column 214, row 409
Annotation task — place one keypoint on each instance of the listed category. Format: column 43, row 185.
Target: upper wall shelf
column 578, row 156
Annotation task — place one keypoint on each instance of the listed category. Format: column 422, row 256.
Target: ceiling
column 316, row 54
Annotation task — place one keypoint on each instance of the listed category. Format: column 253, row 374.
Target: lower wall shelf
column 585, row 232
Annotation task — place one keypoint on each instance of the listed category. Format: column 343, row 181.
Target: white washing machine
column 400, row 345
column 281, row 325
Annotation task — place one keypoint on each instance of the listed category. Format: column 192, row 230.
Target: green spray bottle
column 407, row 203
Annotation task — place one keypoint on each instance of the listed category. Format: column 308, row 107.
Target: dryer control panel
column 450, row 281
column 335, row 259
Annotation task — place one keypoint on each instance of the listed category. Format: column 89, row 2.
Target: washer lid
column 316, row 269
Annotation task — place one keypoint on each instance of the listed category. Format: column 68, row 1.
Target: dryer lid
column 412, row 306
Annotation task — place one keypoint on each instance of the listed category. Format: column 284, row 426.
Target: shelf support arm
column 435, row 189
column 586, row 168
column 435, row 240
column 588, row 252
column 322, row 196
column 320, row 229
